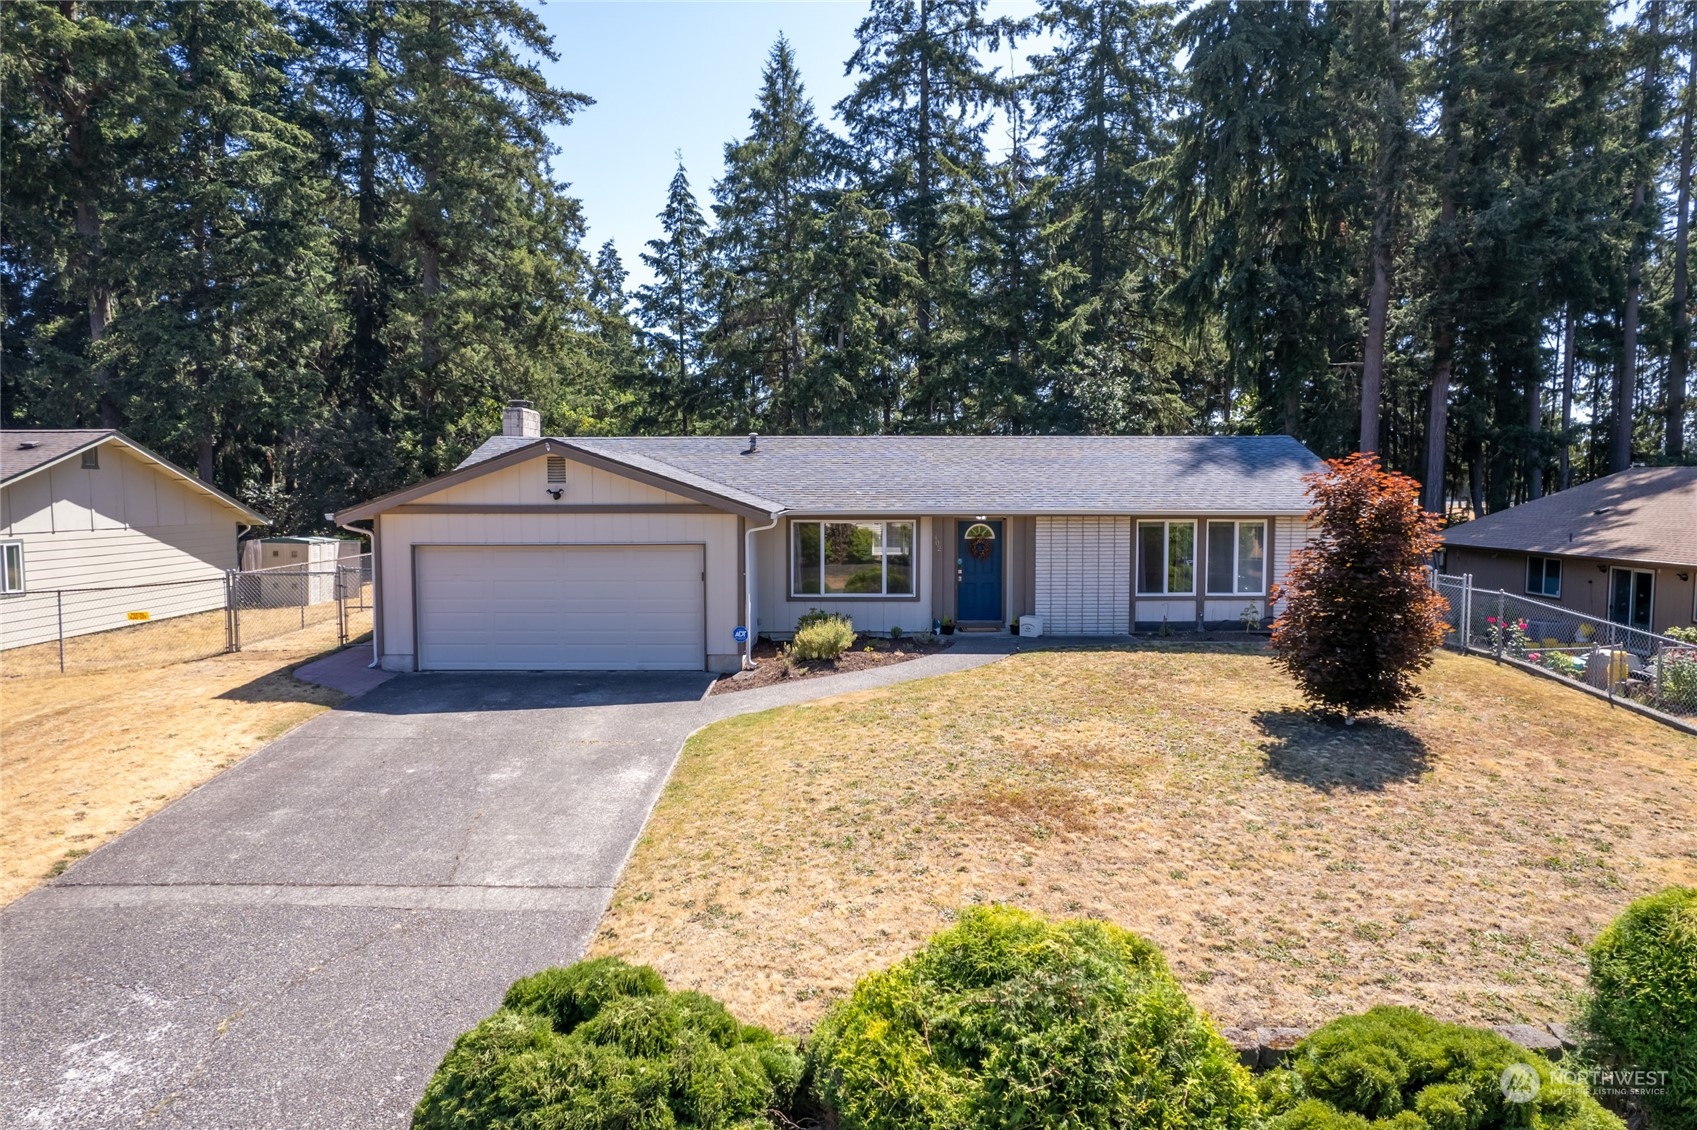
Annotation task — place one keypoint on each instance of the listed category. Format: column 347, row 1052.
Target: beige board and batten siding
column 126, row 523
column 470, row 514
column 1289, row 535
column 1083, row 575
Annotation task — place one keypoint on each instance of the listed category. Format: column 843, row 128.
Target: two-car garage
column 560, row 607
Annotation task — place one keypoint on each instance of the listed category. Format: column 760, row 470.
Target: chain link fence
column 65, row 630
column 1621, row 661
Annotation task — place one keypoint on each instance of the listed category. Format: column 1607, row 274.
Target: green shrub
column 824, row 639
column 1643, row 1009
column 604, row 1045
column 1008, row 1020
column 819, row 616
column 1401, row 1070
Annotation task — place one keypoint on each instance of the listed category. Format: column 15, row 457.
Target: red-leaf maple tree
column 1360, row 618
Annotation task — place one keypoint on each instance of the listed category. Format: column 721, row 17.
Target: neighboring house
column 88, row 509
column 1621, row 548
column 649, row 553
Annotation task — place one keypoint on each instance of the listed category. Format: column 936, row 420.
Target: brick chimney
column 520, row 419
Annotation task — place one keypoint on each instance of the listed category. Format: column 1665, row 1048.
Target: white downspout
column 376, row 660
column 748, row 591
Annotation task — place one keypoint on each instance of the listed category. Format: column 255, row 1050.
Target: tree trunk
column 1626, row 387
column 429, row 251
column 1384, row 208
column 204, row 451
column 1568, row 352
column 923, row 160
column 1679, row 362
column 1437, row 418
column 90, row 250
column 1534, row 427
column 367, row 347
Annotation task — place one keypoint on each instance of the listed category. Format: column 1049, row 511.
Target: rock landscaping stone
column 1245, row 1044
column 1532, row 1038
column 1275, row 1045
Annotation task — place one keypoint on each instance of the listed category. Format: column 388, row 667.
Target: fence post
column 59, row 611
column 1502, row 602
column 341, row 608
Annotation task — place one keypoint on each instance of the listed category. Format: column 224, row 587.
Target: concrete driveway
column 296, row 943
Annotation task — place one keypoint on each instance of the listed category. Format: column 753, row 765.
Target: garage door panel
column 562, row 608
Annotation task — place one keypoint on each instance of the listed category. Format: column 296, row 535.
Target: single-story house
column 1620, row 548
column 670, row 552
column 92, row 512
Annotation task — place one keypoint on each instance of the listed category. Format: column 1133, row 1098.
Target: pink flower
column 1490, row 619
column 1522, row 625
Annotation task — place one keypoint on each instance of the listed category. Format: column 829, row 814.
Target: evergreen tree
column 674, row 312
column 916, row 119
column 770, row 215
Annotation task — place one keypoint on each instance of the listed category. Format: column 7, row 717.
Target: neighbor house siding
column 124, row 524
column 1585, row 582
column 402, row 529
column 1083, row 575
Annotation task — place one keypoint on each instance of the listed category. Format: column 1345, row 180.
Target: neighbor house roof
column 964, row 474
column 1644, row 514
column 25, row 451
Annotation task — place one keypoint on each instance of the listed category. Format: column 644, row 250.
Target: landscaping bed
column 866, row 653
column 1456, row 859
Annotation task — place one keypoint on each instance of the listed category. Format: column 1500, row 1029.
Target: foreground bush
column 1643, row 1009
column 1403, row 1070
column 603, row 1045
column 1008, row 1020
column 826, row 638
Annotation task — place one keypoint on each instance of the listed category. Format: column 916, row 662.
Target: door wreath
column 979, row 542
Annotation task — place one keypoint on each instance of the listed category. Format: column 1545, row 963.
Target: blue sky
column 679, row 76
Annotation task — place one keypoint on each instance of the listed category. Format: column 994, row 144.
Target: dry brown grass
column 1457, row 859
column 84, row 756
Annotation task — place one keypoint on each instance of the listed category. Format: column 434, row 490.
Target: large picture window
column 851, row 559
column 1237, row 558
column 11, row 566
column 1543, row 576
column 1166, row 558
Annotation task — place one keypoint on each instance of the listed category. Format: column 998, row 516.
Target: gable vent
column 556, row 469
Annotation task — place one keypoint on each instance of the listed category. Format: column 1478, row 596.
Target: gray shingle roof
column 964, row 474
column 1644, row 514
column 25, row 450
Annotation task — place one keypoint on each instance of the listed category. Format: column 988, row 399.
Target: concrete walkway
column 297, row 943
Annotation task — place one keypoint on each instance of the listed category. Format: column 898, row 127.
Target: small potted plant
column 948, row 626
column 1013, row 626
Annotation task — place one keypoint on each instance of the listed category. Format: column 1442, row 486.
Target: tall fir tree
column 674, row 309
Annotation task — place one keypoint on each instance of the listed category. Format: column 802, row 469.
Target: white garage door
column 560, row 608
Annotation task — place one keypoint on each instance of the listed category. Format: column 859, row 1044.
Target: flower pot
column 948, row 629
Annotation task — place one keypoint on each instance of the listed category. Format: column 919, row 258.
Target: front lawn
column 1456, row 859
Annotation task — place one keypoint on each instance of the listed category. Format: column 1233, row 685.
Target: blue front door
column 978, row 571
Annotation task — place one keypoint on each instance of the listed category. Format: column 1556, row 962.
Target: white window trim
column 1650, row 613
column 1166, row 525
column 884, row 560
column 1237, row 543
column 10, row 585
column 1544, row 573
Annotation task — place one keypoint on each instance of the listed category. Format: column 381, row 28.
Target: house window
column 851, row 558
column 1166, row 558
column 11, row 566
column 91, row 459
column 1543, row 576
column 1237, row 558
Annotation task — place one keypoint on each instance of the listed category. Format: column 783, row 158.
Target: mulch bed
column 866, row 653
